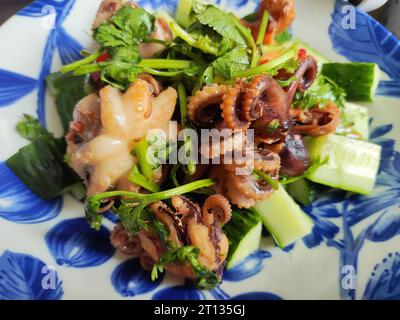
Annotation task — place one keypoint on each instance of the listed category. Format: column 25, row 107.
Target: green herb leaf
column 273, row 126
column 30, row 128
column 322, row 91
column 220, row 21
column 134, row 219
column 226, row 66
column 93, row 203
column 206, row 279
column 127, row 28
column 283, row 37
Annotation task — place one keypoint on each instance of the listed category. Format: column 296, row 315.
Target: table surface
column 10, row 7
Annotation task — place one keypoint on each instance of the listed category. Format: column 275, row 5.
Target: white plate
column 353, row 252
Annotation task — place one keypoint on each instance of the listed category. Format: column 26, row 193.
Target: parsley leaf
column 134, row 219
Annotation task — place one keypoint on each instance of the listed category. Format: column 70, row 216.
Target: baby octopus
column 105, row 128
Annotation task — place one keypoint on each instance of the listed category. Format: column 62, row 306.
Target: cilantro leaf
column 234, row 61
column 322, row 91
column 220, row 21
column 127, row 28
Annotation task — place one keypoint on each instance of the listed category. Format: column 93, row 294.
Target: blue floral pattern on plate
column 19, row 204
column 22, row 277
column 130, row 279
column 336, row 213
column 73, row 243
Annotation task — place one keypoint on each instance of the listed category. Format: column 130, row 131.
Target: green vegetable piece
column 134, row 219
column 67, row 90
column 358, row 79
column 244, row 234
column 270, row 67
column 283, row 37
column 191, row 166
column 222, row 22
column 267, row 178
column 354, row 122
column 41, row 167
column 353, row 164
column 301, row 191
column 283, row 218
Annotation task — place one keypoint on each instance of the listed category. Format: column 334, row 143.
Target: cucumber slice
column 183, row 11
column 359, row 79
column 301, row 191
column 355, row 122
column 353, row 164
column 283, row 218
column 244, row 234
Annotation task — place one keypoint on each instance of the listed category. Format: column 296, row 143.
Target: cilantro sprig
column 93, row 203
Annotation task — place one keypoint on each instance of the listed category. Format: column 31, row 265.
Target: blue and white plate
column 48, row 251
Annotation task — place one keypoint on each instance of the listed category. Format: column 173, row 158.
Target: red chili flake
column 302, row 53
column 105, row 56
column 263, row 60
column 77, row 127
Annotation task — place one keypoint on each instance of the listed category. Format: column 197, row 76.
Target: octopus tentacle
column 165, row 215
column 294, row 156
column 216, row 208
column 238, row 198
column 246, row 185
column 316, row 121
column 156, row 86
column 267, row 161
column 222, row 141
column 231, row 108
column 275, row 106
column 282, row 14
column 124, row 242
column 203, row 107
column 218, row 173
column 305, row 76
